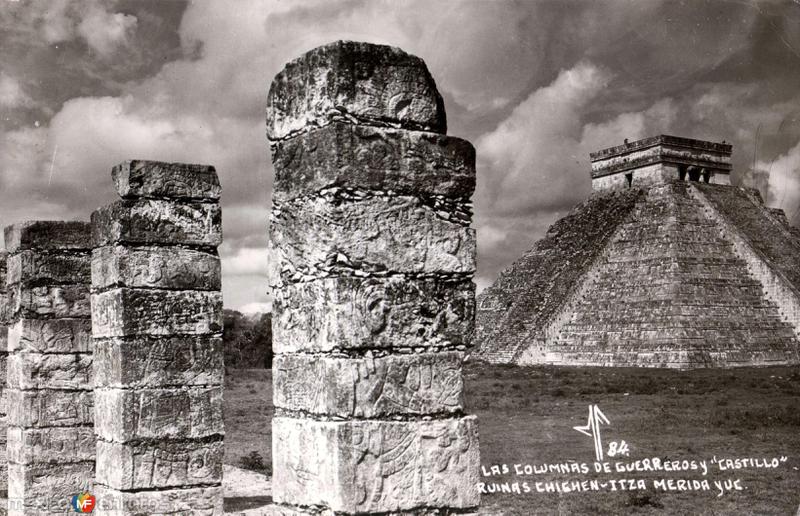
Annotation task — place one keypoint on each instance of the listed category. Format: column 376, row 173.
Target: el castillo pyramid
column 664, row 265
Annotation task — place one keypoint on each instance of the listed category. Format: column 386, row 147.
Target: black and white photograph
column 400, row 257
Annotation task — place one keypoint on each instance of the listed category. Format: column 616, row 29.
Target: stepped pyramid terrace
column 666, row 264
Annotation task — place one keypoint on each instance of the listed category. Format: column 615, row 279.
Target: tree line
column 247, row 339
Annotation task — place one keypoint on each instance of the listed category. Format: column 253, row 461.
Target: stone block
column 50, row 371
column 394, row 385
column 46, row 488
column 157, row 179
column 289, row 510
column 125, row 311
column 3, row 472
column 32, row 268
column 198, row 501
column 64, row 301
column 46, row 408
column 397, row 234
column 124, row 415
column 156, row 465
column 51, row 336
column 154, row 222
column 4, row 311
column 3, row 258
column 51, row 445
column 376, row 466
column 390, row 312
column 155, row 267
column 158, row 361
column 372, row 84
column 44, row 235
column 373, row 158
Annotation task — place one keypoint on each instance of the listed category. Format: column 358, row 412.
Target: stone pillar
column 3, row 362
column 157, row 325
column 51, row 442
column 375, row 302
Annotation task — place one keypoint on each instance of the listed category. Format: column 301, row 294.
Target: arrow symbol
column 592, row 429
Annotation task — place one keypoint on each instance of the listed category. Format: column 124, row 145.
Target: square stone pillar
column 3, row 362
column 51, row 442
column 157, row 326
column 375, row 302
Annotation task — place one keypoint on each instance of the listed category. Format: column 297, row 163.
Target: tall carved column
column 371, row 218
column 157, row 325
column 51, row 442
column 3, row 362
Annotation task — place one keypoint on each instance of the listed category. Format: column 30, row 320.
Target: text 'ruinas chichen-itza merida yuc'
column 114, row 360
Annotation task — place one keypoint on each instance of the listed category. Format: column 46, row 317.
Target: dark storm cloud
column 536, row 85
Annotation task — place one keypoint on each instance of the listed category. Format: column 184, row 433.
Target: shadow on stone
column 243, row 503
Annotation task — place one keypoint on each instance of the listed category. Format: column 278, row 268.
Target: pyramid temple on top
column 664, row 265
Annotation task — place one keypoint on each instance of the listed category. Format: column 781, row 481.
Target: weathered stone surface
column 3, row 258
column 49, row 302
column 3, row 470
column 398, row 234
column 124, row 311
column 4, row 312
column 40, row 234
column 157, row 179
column 31, row 268
column 122, row 415
column 51, row 336
column 376, row 466
column 413, row 384
column 50, row 371
column 351, row 313
column 153, row 222
column 46, row 408
column 199, row 501
column 3, row 372
column 155, row 267
column 46, row 488
column 148, row 465
column 158, row 361
column 373, row 84
column 57, row 444
column 373, row 158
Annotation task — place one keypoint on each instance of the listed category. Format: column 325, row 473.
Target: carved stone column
column 371, row 219
column 157, row 324
column 3, row 364
column 51, row 443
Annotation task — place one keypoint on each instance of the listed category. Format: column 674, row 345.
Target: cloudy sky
column 535, row 85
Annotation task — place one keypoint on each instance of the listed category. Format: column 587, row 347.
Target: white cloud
column 11, row 93
column 247, row 261
column 256, row 308
column 530, row 161
column 784, row 182
column 657, row 119
column 104, row 31
column 92, row 21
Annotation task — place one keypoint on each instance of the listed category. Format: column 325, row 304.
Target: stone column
column 3, row 362
column 375, row 303
column 157, row 325
column 51, row 442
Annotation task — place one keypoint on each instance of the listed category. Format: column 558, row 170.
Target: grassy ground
column 526, row 416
